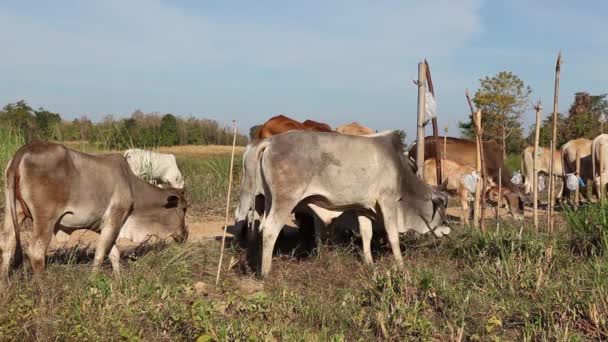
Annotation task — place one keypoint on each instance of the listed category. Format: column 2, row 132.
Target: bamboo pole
column 420, row 142
column 549, row 212
column 554, row 138
column 538, row 108
column 445, row 142
column 219, row 265
column 438, row 166
column 499, row 198
column 578, row 172
column 478, row 214
column 601, row 187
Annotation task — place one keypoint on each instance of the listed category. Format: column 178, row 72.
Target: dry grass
column 191, row 151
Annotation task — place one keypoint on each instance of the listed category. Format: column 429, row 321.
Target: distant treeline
column 138, row 130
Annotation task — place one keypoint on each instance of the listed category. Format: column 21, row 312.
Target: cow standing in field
column 464, row 152
column 62, row 189
column 300, row 168
column 599, row 153
column 154, row 166
column 543, row 166
column 583, row 146
column 281, row 124
column 355, row 128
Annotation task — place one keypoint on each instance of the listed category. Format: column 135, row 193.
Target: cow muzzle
column 182, row 237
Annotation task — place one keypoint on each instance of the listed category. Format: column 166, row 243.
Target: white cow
column 599, row 151
column 155, row 167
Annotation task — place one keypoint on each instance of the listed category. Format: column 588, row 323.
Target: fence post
column 549, row 211
column 601, row 187
column 420, row 141
column 555, row 101
column 499, row 198
column 538, row 108
column 578, row 172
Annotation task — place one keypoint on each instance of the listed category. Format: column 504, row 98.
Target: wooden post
column 476, row 210
column 219, row 265
column 480, row 188
column 578, row 172
column 554, row 138
column 499, row 198
column 438, row 171
column 445, row 145
column 538, row 108
column 420, row 142
column 601, row 186
column 549, row 212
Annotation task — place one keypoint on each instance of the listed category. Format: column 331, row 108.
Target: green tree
column 168, row 130
column 20, row 116
column 502, row 98
column 583, row 116
column 47, row 123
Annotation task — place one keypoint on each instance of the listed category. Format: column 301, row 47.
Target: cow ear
column 439, row 196
column 443, row 186
column 172, row 201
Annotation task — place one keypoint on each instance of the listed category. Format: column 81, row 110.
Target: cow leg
column 389, row 215
column 365, row 229
column 115, row 260
column 110, row 227
column 464, row 205
column 271, row 227
column 42, row 233
column 8, row 240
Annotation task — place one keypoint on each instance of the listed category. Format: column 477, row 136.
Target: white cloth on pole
column 517, row 179
column 430, row 106
column 470, row 181
column 541, row 183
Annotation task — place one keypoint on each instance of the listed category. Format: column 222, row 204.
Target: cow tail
column 12, row 175
column 259, row 150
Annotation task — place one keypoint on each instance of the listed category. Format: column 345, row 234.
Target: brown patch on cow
column 281, row 124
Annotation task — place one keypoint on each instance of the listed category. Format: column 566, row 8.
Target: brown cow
column 62, row 189
column 317, row 126
column 454, row 174
column 464, row 152
column 281, row 124
column 354, row 128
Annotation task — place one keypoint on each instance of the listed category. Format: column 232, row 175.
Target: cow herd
column 290, row 168
column 591, row 154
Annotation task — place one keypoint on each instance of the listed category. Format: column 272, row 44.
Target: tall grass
column 206, row 181
column 10, row 141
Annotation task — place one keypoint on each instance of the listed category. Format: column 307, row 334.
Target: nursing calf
column 62, row 189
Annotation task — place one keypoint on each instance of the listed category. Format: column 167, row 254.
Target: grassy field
column 469, row 286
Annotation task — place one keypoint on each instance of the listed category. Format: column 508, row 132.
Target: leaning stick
column 555, row 101
column 538, row 108
column 499, row 198
column 420, row 139
column 549, row 208
column 601, row 187
column 219, row 265
column 578, row 172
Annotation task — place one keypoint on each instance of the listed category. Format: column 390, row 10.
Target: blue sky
column 332, row 61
